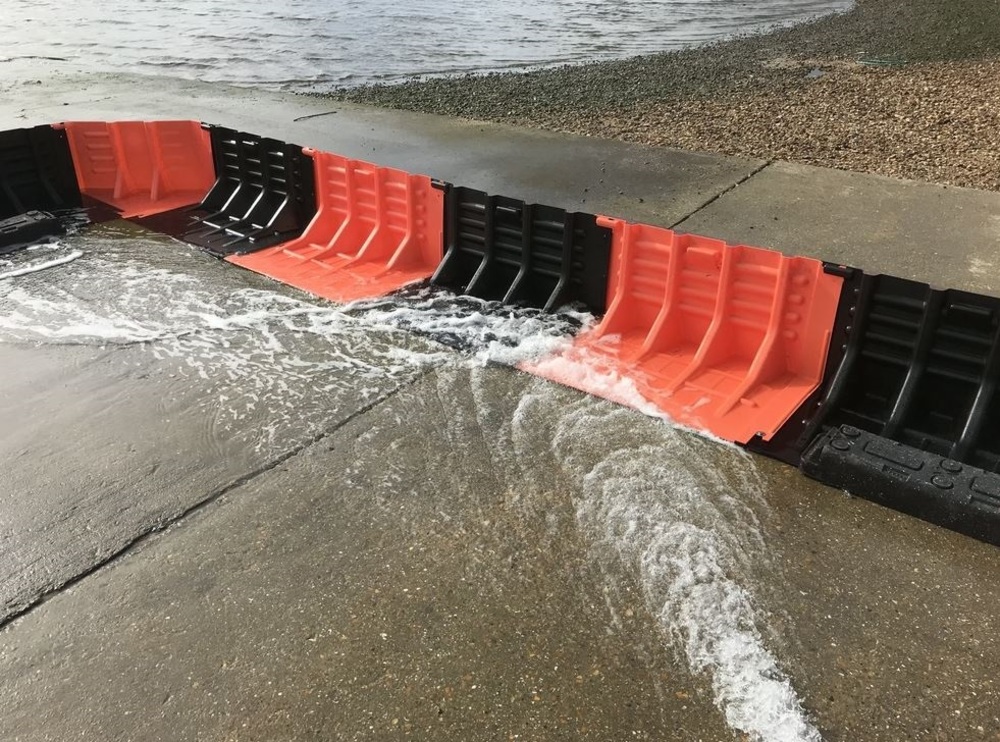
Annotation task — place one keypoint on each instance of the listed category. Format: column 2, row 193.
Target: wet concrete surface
column 944, row 235
column 114, row 430
column 577, row 173
column 395, row 580
column 468, row 553
column 437, row 569
column 891, row 618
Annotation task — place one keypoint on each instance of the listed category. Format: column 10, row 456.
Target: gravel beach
column 904, row 88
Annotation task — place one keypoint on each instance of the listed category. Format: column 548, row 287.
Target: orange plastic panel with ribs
column 375, row 230
column 726, row 338
column 142, row 167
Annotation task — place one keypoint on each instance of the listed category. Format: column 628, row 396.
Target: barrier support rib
column 476, row 285
column 704, row 354
column 565, row 265
column 375, row 230
column 615, row 320
column 728, row 339
column 766, row 364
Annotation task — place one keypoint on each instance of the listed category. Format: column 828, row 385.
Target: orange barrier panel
column 729, row 339
column 375, row 230
column 142, row 167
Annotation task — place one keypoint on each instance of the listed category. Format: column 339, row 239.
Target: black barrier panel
column 938, row 489
column 264, row 194
column 36, row 172
column 921, row 367
column 502, row 249
column 908, row 414
column 913, row 364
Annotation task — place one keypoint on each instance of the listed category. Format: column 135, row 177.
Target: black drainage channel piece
column 910, row 417
column 36, row 172
column 501, row 249
column 937, row 489
column 264, row 194
column 28, row 229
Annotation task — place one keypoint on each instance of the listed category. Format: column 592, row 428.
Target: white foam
column 687, row 529
column 591, row 371
column 275, row 364
column 37, row 267
column 491, row 332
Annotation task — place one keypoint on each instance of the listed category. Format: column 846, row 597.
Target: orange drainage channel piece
column 141, row 167
column 375, row 230
column 728, row 339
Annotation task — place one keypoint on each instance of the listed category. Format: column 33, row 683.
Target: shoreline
column 903, row 88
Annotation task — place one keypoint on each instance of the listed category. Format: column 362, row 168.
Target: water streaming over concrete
column 677, row 514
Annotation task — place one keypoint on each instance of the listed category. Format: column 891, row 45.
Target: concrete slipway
column 228, row 512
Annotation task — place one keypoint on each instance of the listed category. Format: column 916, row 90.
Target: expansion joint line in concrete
column 722, row 193
column 211, row 498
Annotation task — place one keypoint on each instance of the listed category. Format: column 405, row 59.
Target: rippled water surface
column 319, row 44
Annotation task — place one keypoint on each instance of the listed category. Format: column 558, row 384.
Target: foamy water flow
column 685, row 529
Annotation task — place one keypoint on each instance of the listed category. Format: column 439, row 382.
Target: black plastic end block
column 27, row 229
column 937, row 489
column 502, row 249
column 36, row 172
column 264, row 194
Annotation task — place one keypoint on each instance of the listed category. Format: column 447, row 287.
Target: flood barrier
column 502, row 249
column 879, row 385
column 727, row 338
column 376, row 229
column 36, row 172
column 921, row 367
column 139, row 168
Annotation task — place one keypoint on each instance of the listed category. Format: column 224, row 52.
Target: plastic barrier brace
column 264, row 194
column 502, row 249
column 36, row 172
column 375, row 230
column 729, row 339
column 929, row 486
column 141, row 167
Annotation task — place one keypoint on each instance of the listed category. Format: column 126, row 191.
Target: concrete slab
column 148, row 378
column 487, row 556
column 947, row 236
column 577, row 173
column 885, row 619
column 396, row 580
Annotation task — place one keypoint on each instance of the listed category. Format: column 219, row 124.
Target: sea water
column 322, row 44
